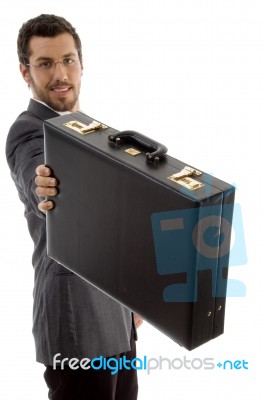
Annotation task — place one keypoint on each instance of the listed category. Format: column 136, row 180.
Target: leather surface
column 115, row 224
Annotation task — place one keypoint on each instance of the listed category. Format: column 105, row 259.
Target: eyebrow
column 50, row 59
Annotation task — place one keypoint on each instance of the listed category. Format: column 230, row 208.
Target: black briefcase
column 145, row 228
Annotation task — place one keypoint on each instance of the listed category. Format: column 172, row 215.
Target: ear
column 25, row 73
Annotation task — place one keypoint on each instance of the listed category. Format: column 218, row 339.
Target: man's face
column 59, row 86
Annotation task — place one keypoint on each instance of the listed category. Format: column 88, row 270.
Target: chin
column 61, row 107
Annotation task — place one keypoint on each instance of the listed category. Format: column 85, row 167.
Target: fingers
column 46, row 185
column 46, row 191
column 42, row 170
column 45, row 205
column 45, row 181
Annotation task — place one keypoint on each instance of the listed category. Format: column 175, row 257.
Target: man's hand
column 137, row 320
column 46, row 186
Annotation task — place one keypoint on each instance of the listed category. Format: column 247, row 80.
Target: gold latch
column 183, row 178
column 186, row 171
column 84, row 129
column 133, row 152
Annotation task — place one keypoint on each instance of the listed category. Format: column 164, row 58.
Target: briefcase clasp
column 183, row 178
column 186, row 171
column 84, row 129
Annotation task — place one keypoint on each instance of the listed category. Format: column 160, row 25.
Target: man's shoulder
column 31, row 120
column 25, row 119
column 36, row 111
column 25, row 123
column 27, row 129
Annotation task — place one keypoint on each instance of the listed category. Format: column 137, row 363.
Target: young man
column 70, row 317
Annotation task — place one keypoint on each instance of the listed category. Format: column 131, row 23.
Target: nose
column 59, row 72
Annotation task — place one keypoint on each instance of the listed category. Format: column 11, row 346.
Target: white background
column 189, row 73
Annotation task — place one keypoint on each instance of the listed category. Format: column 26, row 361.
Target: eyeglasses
column 49, row 66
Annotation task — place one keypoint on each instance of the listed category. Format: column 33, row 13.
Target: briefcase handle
column 155, row 150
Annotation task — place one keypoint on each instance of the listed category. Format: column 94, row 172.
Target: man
column 70, row 317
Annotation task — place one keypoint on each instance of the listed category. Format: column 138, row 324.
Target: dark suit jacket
column 70, row 316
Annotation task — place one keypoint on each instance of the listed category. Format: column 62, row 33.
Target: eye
column 68, row 61
column 45, row 65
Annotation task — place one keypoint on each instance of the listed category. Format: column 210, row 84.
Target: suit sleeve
column 25, row 151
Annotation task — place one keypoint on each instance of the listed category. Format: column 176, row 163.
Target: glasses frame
column 54, row 63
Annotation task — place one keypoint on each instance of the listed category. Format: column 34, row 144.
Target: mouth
column 61, row 91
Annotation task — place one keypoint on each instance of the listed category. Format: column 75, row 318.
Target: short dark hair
column 45, row 25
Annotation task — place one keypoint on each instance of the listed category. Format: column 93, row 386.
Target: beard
column 60, row 104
